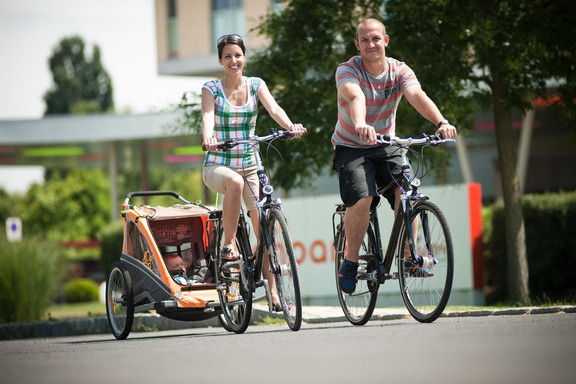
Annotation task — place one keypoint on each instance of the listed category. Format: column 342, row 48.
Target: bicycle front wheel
column 285, row 270
column 359, row 305
column 235, row 290
column 426, row 288
column 236, row 301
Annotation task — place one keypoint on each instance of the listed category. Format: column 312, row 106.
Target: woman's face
column 233, row 59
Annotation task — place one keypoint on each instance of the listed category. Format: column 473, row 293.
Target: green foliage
column 81, row 291
column 464, row 50
column 549, row 245
column 81, row 84
column 30, row 274
column 111, row 240
column 8, row 203
column 188, row 183
column 67, row 207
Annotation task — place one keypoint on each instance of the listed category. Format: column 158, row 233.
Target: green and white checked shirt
column 234, row 122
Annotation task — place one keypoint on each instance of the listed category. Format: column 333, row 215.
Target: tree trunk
column 517, row 265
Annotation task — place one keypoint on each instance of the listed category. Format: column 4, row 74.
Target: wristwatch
column 442, row 122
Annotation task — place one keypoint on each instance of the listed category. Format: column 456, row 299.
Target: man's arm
column 352, row 93
column 426, row 107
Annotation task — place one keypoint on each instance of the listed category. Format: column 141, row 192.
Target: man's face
column 371, row 42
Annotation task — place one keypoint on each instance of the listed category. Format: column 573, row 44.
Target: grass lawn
column 76, row 311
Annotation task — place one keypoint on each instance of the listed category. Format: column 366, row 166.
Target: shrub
column 31, row 272
column 549, row 225
column 111, row 238
column 81, row 291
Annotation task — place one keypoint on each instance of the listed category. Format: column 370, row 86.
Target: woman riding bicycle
column 229, row 110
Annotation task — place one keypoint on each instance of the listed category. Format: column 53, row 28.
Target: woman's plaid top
column 234, row 122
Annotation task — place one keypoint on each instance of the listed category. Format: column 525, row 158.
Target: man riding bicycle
column 370, row 87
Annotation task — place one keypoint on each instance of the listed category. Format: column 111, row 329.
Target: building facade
column 186, row 32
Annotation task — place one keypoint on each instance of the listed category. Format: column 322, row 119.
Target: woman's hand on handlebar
column 297, row 129
column 209, row 144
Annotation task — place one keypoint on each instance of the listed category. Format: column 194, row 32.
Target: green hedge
column 550, row 226
column 31, row 272
column 81, row 291
column 111, row 239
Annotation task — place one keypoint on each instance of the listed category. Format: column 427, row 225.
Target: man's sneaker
column 347, row 276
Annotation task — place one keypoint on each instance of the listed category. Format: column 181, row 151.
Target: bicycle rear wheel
column 119, row 301
column 426, row 288
column 285, row 270
column 359, row 305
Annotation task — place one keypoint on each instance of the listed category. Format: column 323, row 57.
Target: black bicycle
column 420, row 243
column 237, row 281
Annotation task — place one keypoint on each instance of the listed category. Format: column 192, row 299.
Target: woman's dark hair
column 230, row 39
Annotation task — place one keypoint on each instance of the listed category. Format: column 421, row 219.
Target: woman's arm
column 207, row 118
column 277, row 113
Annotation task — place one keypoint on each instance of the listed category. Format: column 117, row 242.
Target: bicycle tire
column 285, row 269
column 426, row 291
column 119, row 301
column 235, row 299
column 359, row 305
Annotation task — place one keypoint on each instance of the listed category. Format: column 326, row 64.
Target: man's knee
column 362, row 204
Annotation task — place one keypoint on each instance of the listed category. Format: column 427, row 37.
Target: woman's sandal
column 229, row 254
column 276, row 306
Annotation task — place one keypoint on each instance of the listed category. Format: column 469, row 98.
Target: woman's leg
column 230, row 184
column 231, row 205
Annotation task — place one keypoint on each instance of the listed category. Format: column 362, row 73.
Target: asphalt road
column 491, row 349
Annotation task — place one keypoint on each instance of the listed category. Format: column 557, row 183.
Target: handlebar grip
column 435, row 137
column 287, row 135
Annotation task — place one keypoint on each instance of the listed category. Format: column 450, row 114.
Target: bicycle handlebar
column 274, row 134
column 400, row 142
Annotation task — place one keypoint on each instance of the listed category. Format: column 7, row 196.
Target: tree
column 81, row 84
column 505, row 53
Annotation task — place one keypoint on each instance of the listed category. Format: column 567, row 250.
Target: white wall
column 310, row 223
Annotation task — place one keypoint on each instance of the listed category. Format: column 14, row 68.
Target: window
column 227, row 17
column 172, row 26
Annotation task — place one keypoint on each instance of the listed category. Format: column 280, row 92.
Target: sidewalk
column 310, row 315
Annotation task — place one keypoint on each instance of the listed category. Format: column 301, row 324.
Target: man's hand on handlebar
column 447, row 131
column 367, row 133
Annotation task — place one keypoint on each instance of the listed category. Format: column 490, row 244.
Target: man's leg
column 355, row 225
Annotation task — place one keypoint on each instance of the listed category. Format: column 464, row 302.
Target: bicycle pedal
column 371, row 276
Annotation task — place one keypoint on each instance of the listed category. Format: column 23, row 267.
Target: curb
column 311, row 315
